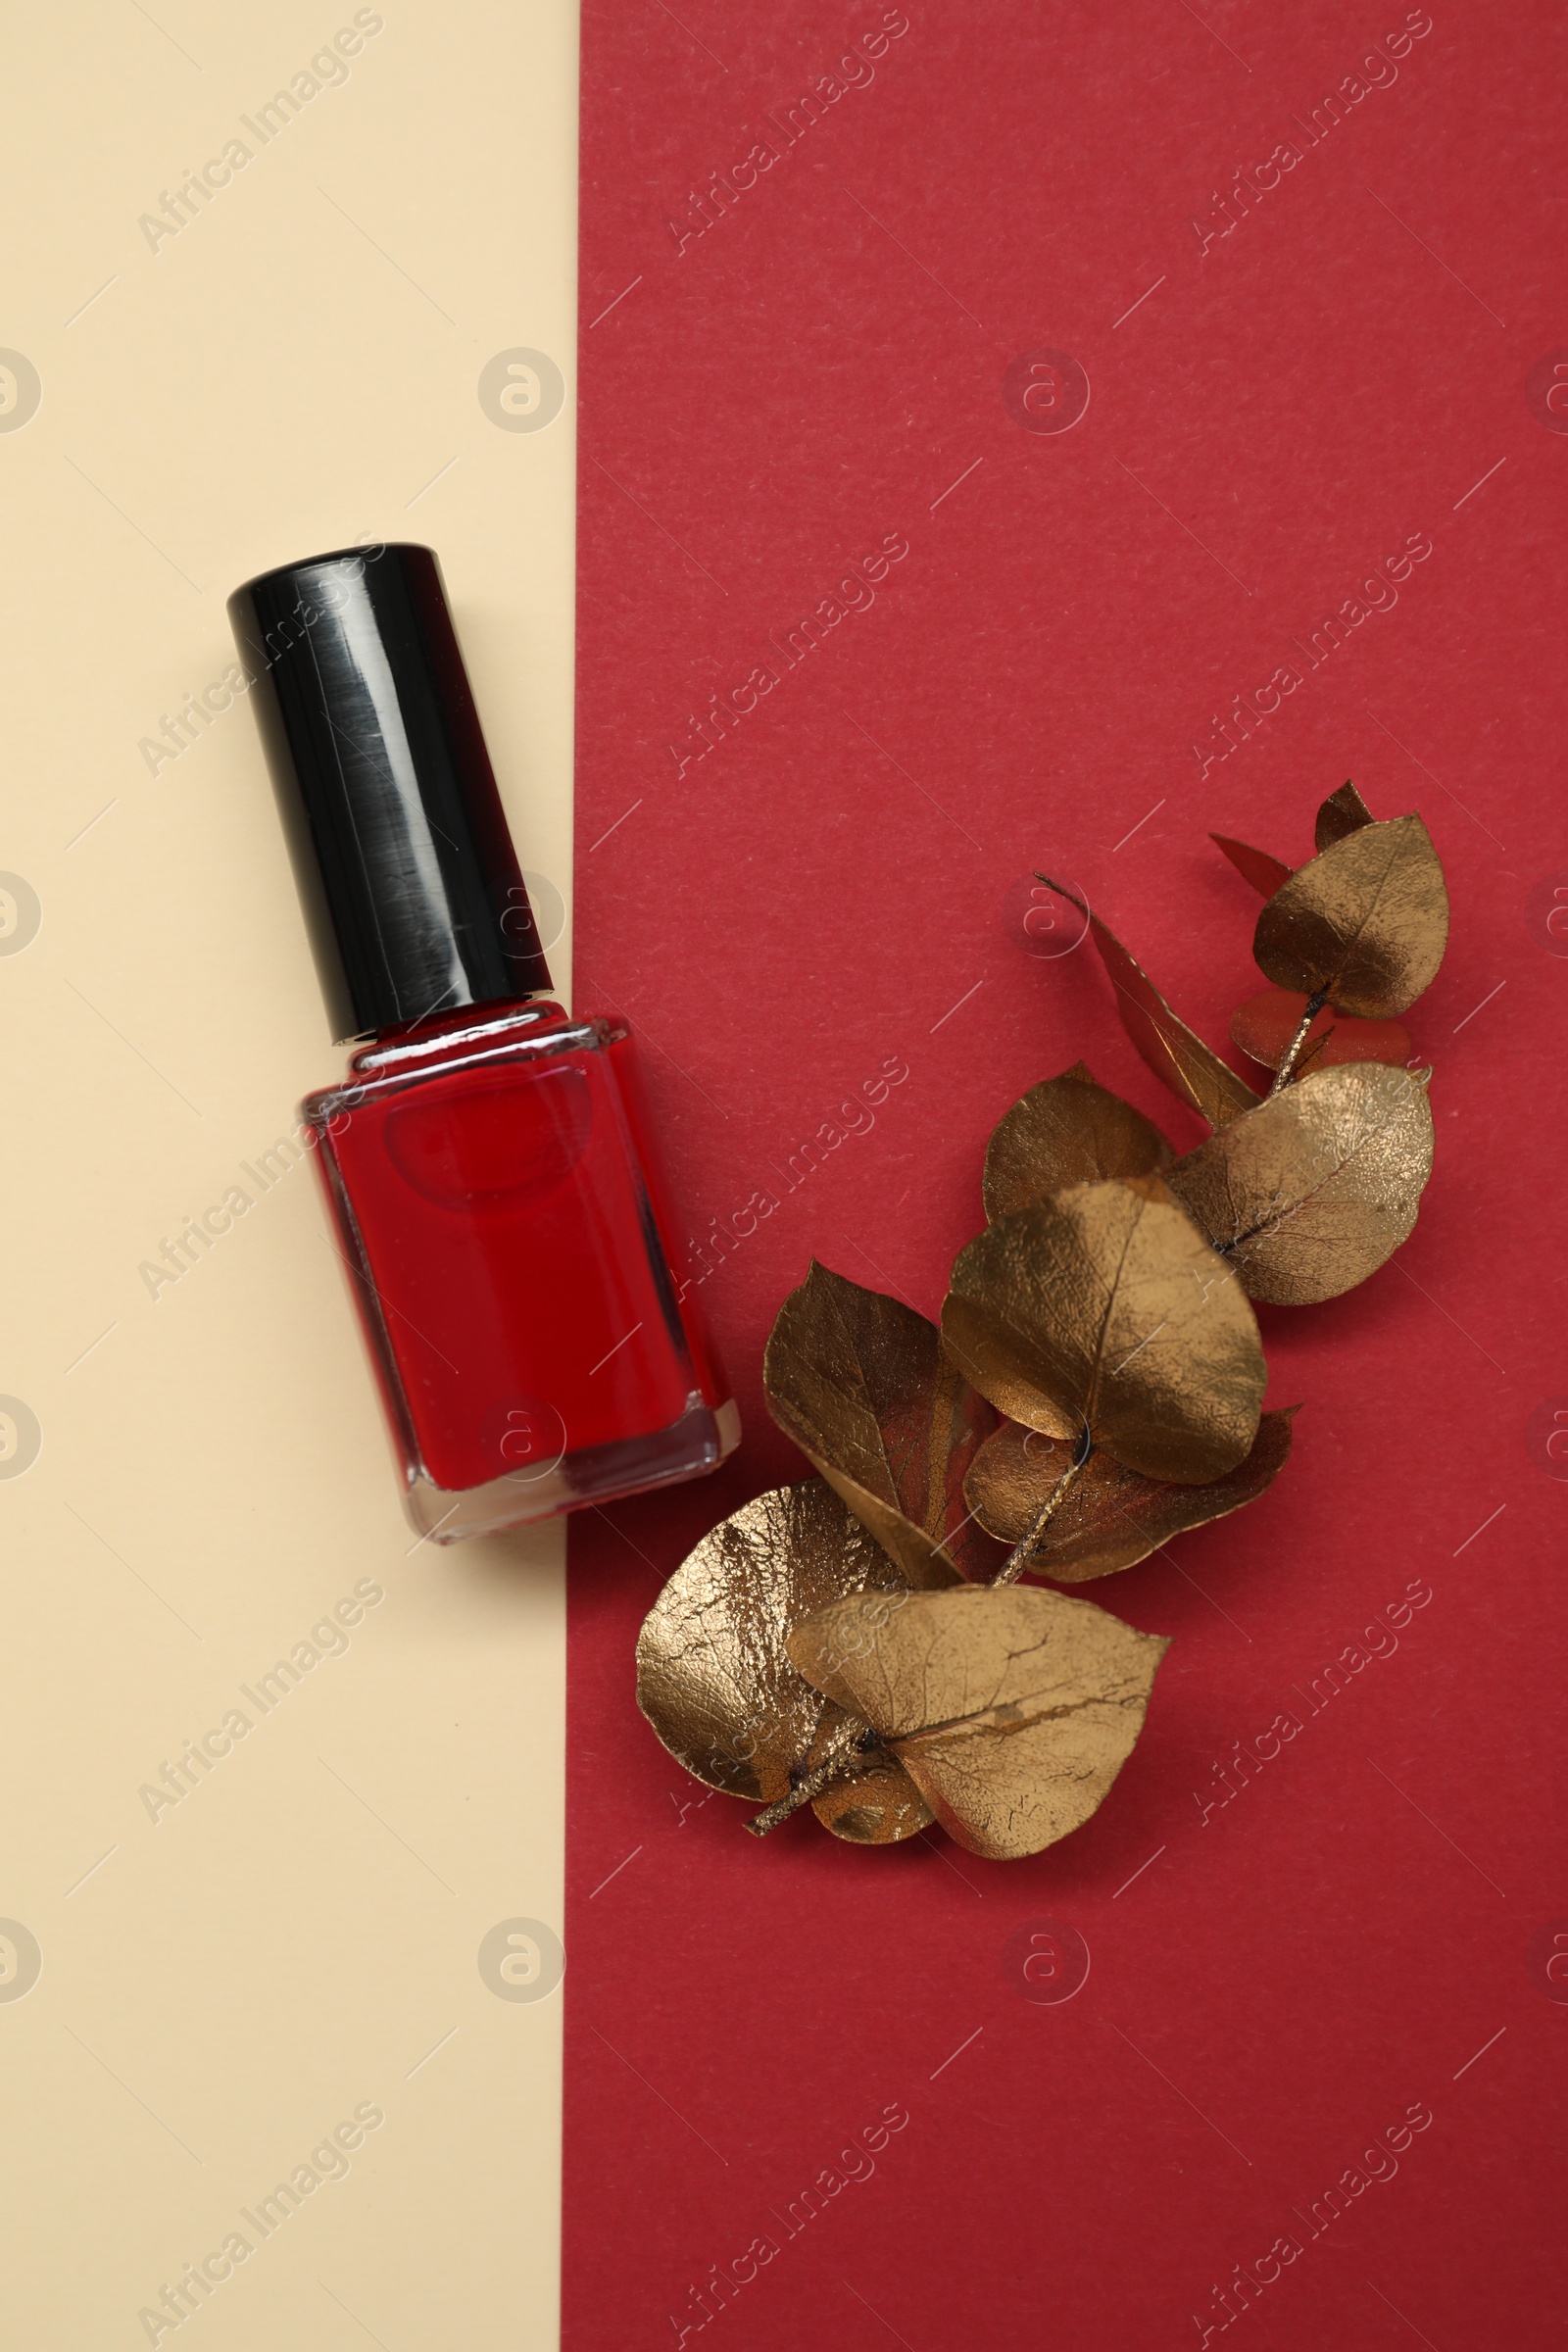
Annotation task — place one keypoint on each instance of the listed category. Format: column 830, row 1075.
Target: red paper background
column 820, row 892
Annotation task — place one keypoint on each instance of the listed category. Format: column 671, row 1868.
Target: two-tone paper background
column 1034, row 291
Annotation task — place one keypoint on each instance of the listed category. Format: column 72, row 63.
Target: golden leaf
column 1067, row 1130
column 1364, row 924
column 878, row 1805
column 1309, row 1193
column 1173, row 1052
column 1105, row 1308
column 1343, row 811
column 861, row 1384
column 1011, row 1710
column 713, row 1676
column 1110, row 1517
column 1266, row 874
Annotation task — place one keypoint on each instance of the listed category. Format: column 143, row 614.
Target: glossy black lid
column 411, row 887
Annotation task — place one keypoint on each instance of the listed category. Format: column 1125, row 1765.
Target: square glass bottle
column 489, row 1162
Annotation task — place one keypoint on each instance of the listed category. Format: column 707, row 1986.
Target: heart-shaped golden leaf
column 713, row 1676
column 1364, row 924
column 1266, row 874
column 1011, row 1710
column 1067, row 1130
column 1109, row 1518
column 1104, row 1310
column 1195, row 1074
column 1309, row 1193
column 861, row 1384
column 1343, row 811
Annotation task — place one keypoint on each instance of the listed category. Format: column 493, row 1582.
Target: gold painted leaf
column 1366, row 922
column 1011, row 1709
column 1105, row 1307
column 1067, row 1130
column 1195, row 1074
column 1343, row 811
column 1308, row 1194
column 878, row 1804
column 713, row 1676
column 1109, row 1518
column 861, row 1384
column 1266, row 874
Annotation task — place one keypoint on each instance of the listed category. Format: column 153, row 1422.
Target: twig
column 1018, row 1558
column 1314, row 1006
column 853, row 1738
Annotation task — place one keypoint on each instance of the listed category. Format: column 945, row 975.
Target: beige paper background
column 224, row 1984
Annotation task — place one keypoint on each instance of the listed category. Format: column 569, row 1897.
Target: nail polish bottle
column 488, row 1161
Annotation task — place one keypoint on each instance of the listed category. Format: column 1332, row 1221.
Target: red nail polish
column 488, row 1161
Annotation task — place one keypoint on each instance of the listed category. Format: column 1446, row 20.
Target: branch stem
column 1018, row 1558
column 1292, row 1053
column 852, row 1739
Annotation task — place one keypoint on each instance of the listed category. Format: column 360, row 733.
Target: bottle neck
column 410, row 1042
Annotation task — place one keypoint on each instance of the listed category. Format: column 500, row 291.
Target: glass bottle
column 489, row 1161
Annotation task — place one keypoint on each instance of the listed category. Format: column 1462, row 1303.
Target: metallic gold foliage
column 1266, row 874
column 714, row 1674
column 1174, row 1052
column 1309, row 1193
column 861, row 1384
column 1105, row 1308
column 1364, row 924
column 1109, row 1518
column 1011, row 1710
column 856, row 1644
column 1343, row 811
column 1066, row 1130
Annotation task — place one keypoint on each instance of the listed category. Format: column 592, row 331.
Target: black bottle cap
column 412, row 890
